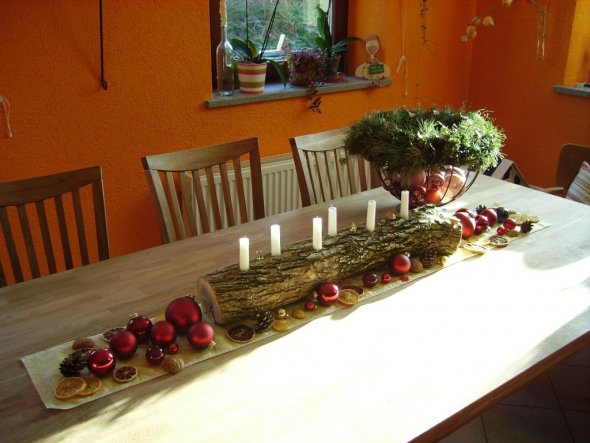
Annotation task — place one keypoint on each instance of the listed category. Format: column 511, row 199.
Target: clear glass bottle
column 224, row 52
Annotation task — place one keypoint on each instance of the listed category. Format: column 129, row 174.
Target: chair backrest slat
column 28, row 197
column 207, row 166
column 571, row 157
column 315, row 152
column 47, row 243
column 28, row 240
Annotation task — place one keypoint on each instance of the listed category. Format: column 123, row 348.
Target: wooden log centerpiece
column 277, row 281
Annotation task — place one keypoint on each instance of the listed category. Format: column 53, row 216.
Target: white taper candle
column 244, row 254
column 371, row 211
column 405, row 205
column 275, row 240
column 332, row 221
column 317, row 233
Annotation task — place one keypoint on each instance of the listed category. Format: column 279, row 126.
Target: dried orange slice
column 108, row 334
column 69, row 387
column 348, row 297
column 126, row 373
column 93, row 384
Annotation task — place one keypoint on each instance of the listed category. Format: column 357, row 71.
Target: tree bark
column 276, row 281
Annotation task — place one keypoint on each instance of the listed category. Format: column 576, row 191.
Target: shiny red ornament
column 509, row 224
column 328, row 293
column 310, row 305
column 399, row 264
column 101, row 361
column 481, row 224
column 200, row 335
column 433, row 196
column 467, row 224
column 172, row 348
column 385, row 278
column 155, row 354
column 491, row 215
column 123, row 344
column 370, row 279
column 183, row 312
column 163, row 333
column 141, row 327
column 501, row 230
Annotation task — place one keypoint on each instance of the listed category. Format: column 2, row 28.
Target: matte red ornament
column 123, row 344
column 101, row 361
column 141, row 327
column 155, row 354
column 399, row 264
column 370, row 279
column 385, row 278
column 328, row 293
column 183, row 312
column 172, row 348
column 163, row 333
column 200, row 335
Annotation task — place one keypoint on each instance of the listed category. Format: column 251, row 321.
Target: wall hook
column 103, row 82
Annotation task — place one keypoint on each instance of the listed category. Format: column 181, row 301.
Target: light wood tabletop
column 410, row 364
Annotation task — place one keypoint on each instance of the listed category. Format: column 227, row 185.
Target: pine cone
column 480, row 208
column 264, row 319
column 74, row 363
column 526, row 227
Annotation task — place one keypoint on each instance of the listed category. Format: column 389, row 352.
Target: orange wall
column 157, row 66
column 507, row 78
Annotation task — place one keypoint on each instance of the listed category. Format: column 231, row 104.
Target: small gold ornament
column 352, row 227
column 488, row 21
column 259, row 255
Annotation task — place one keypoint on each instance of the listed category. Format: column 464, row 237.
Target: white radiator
column 280, row 186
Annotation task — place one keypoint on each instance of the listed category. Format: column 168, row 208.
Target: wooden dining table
column 411, row 364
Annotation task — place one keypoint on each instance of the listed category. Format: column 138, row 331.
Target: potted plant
column 252, row 64
column 324, row 42
column 305, row 66
column 435, row 153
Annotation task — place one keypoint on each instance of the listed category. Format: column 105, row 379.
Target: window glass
column 297, row 19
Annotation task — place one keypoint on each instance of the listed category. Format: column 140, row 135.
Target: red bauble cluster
column 426, row 186
column 101, row 362
column 182, row 313
column 400, row 264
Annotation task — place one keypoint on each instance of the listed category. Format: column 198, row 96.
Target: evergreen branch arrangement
column 406, row 140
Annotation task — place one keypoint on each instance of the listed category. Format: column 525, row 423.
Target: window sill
column 276, row 91
column 569, row 90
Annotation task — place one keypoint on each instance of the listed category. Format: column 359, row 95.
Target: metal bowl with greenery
column 435, row 154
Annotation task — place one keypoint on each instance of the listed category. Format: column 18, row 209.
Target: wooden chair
column 571, row 157
column 320, row 160
column 175, row 183
column 508, row 170
column 42, row 223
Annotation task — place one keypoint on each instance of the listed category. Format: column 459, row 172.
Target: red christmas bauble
column 310, row 305
column 163, row 333
column 172, row 348
column 101, row 361
column 481, row 224
column 509, row 224
column 370, row 279
column 123, row 344
column 328, row 293
column 182, row 312
column 141, row 327
column 200, row 335
column 385, row 278
column 467, row 224
column 491, row 215
column 155, row 355
column 399, row 264
column 433, row 196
